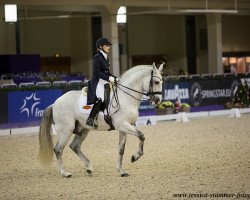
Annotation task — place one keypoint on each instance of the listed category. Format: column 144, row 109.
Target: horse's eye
column 157, row 82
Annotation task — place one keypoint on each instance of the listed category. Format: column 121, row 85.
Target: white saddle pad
column 82, row 102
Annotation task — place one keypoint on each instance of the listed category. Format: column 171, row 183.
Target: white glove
column 112, row 79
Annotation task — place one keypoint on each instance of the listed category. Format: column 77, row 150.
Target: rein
column 150, row 93
column 144, row 93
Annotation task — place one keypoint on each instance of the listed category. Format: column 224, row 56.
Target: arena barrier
column 185, row 117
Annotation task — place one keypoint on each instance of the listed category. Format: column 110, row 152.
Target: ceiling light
column 10, row 13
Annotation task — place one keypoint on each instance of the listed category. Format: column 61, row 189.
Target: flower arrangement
column 168, row 107
column 241, row 98
column 165, row 107
column 166, row 104
column 185, row 107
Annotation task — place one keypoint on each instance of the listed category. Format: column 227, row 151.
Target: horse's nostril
column 157, row 100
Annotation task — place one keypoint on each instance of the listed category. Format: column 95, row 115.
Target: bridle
column 149, row 94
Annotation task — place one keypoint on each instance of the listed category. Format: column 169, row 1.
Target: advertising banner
column 3, row 107
column 212, row 92
column 201, row 92
column 28, row 106
column 174, row 90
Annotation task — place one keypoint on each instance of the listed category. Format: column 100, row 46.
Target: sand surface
column 205, row 157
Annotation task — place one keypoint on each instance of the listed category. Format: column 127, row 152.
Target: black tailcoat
column 100, row 71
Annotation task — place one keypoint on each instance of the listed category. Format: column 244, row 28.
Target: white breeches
column 100, row 89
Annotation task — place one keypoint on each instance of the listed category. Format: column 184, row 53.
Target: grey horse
column 133, row 85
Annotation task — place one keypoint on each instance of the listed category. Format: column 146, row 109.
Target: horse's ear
column 161, row 66
column 154, row 66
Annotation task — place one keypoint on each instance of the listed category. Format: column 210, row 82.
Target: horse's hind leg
column 122, row 142
column 60, row 145
column 76, row 147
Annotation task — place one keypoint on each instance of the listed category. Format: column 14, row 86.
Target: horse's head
column 153, row 84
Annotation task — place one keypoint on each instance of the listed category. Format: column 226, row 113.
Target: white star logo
column 29, row 104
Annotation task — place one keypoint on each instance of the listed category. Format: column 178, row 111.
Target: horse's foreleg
column 122, row 142
column 129, row 129
column 76, row 147
column 60, row 145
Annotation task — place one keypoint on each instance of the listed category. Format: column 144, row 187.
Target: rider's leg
column 95, row 110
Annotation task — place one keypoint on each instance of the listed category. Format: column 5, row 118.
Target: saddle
column 103, row 104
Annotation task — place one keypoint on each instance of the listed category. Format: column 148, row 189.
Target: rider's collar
column 104, row 54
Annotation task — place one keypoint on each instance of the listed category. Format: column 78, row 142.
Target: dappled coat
column 100, row 71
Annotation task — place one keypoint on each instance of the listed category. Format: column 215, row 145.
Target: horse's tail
column 46, row 151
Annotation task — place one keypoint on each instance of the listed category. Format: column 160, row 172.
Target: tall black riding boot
column 106, row 95
column 95, row 110
column 107, row 117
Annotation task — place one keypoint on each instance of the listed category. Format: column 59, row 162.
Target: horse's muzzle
column 156, row 100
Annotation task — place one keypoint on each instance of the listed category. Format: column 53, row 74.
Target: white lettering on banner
column 177, row 92
column 38, row 113
column 216, row 93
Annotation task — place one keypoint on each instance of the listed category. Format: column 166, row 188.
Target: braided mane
column 136, row 68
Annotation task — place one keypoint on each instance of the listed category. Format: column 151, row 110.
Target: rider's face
column 106, row 48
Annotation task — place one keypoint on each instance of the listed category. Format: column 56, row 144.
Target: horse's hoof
column 68, row 175
column 89, row 171
column 133, row 159
column 125, row 175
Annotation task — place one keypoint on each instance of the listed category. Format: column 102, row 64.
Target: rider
column 100, row 72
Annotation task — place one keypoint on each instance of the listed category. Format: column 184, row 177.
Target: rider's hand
column 112, row 79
